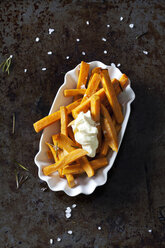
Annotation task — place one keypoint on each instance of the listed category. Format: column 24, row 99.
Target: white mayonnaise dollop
column 85, row 132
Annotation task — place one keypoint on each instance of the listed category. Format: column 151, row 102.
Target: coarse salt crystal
column 37, row 39
column 74, row 206
column 58, row 239
column 112, row 64
column 25, row 70
column 118, row 65
column 131, row 25
column 68, row 208
column 103, row 39
column 68, row 211
column 121, row 18
column 145, row 52
column 68, row 215
column 77, row 40
column 105, row 52
column 51, row 30
column 50, row 52
column 149, row 230
column 83, row 53
column 108, row 26
column 99, row 228
column 44, row 69
column 82, row 86
column 70, row 232
column 51, row 241
column 11, row 56
column 87, row 22
column 67, row 57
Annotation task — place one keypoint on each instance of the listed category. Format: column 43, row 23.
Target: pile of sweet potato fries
column 99, row 95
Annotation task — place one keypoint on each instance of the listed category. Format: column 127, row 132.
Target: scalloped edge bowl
column 84, row 185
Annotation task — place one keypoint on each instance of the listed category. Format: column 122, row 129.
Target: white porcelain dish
column 85, row 185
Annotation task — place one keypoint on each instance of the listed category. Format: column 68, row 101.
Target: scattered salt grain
column 44, row 189
column 11, row 56
column 108, row 26
column 68, row 210
column 105, row 52
column 103, row 39
column 70, row 232
column 51, row 241
column 37, row 39
column 99, row 228
column 50, row 52
column 145, row 52
column 51, row 30
column 87, row 22
column 44, row 69
column 118, row 65
column 74, row 206
column 131, row 25
column 67, row 57
column 25, row 70
column 149, row 230
column 68, row 215
column 77, row 40
column 112, row 64
column 83, row 53
column 121, row 18
column 82, row 86
column 58, row 239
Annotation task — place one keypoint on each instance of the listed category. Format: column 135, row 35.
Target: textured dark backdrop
column 132, row 202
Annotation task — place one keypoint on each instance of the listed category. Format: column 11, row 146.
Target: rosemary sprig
column 13, row 130
column 77, row 147
column 21, row 166
column 140, row 35
column 6, row 64
column 55, row 148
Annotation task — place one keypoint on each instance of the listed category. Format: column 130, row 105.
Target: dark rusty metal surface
column 133, row 199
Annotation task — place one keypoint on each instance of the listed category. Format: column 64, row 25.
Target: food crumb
column 131, row 25
column 87, row 22
column 145, row 52
column 50, row 52
column 103, row 39
column 105, row 51
column 51, row 30
column 108, row 26
column 74, row 206
column 44, row 69
column 99, row 228
column 77, row 39
column 37, row 39
column 51, row 241
column 67, row 57
column 83, row 86
column 118, row 65
column 70, row 232
column 150, row 230
column 83, row 53
column 58, row 239
column 25, row 70
column 121, row 18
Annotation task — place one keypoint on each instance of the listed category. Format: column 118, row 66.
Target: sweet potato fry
column 54, row 152
column 74, row 92
column 50, row 155
column 64, row 120
column 50, row 119
column 64, row 142
column 123, row 81
column 85, row 164
column 85, row 105
column 67, row 159
column 77, row 169
column 70, row 180
column 109, row 129
column 118, row 128
column 104, row 148
column 95, row 112
column 92, row 86
column 116, row 86
column 111, row 95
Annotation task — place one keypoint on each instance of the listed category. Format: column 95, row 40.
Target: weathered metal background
column 132, row 202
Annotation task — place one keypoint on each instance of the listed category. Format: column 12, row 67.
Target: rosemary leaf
column 23, row 180
column 140, row 35
column 6, row 64
column 21, row 166
column 75, row 147
column 16, row 178
column 13, row 123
